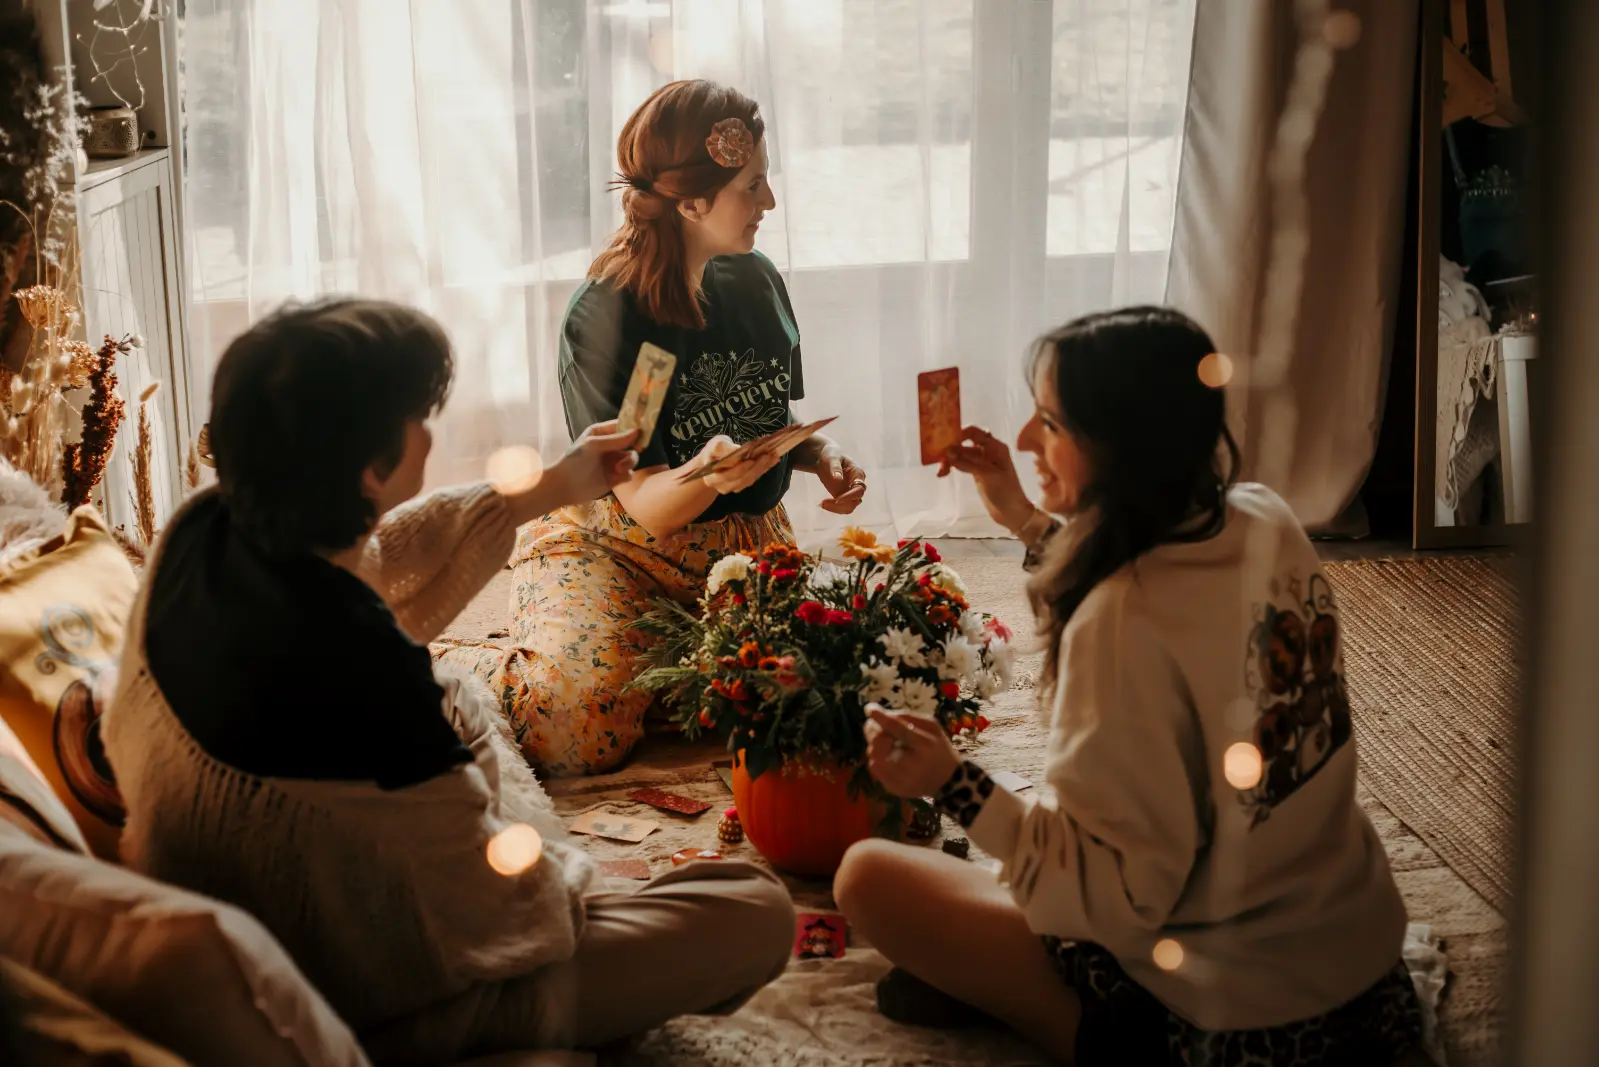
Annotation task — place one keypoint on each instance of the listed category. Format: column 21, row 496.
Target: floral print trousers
column 581, row 577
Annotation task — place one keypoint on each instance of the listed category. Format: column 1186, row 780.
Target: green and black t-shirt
column 735, row 377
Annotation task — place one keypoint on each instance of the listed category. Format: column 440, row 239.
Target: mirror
column 1477, row 357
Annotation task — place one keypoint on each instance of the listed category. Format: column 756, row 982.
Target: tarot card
column 724, row 771
column 938, row 405
column 675, row 802
column 1010, row 780
column 781, row 442
column 638, row 870
column 646, row 392
column 819, row 935
column 616, row 827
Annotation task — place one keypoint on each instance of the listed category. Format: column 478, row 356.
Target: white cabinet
column 130, row 272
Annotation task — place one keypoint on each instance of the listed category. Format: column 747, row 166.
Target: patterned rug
column 822, row 1012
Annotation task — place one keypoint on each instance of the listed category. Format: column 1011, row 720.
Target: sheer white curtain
column 953, row 177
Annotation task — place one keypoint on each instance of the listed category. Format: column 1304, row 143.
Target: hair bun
column 641, row 206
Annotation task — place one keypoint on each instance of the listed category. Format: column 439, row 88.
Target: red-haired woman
column 681, row 273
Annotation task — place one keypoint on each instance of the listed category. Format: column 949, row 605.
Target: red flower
column 907, row 541
column 738, row 690
column 783, row 574
column 738, row 598
column 811, row 613
column 763, row 567
column 931, row 553
column 719, row 687
column 858, row 602
column 995, row 628
column 705, row 718
column 951, row 690
column 839, row 618
column 879, row 588
column 982, row 723
column 939, row 615
column 924, row 580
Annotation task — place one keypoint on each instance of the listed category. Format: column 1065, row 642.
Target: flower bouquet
column 785, row 651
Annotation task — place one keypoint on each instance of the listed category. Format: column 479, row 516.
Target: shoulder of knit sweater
column 429, row 557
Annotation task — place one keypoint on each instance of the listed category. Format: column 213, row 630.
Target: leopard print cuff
column 962, row 797
column 1035, row 551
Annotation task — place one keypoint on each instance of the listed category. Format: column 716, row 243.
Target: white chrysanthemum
column 986, row 684
column 905, row 646
column 970, row 625
column 825, row 574
column 882, row 683
column 946, row 579
column 734, row 568
column 917, row 697
column 961, row 659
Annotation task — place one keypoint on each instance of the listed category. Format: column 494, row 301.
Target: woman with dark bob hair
column 281, row 741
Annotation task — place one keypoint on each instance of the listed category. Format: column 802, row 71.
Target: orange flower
column 749, row 654
column 863, row 544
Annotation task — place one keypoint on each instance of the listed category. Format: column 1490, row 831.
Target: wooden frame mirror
column 1476, row 312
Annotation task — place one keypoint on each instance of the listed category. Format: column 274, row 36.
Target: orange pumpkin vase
column 801, row 820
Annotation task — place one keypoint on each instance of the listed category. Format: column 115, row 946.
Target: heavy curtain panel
column 1355, row 188
column 953, row 177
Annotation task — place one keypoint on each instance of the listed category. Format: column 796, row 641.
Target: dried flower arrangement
column 41, row 353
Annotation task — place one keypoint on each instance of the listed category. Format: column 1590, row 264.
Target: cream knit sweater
column 384, row 898
column 1260, row 865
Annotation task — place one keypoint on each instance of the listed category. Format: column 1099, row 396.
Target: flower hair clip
column 730, row 144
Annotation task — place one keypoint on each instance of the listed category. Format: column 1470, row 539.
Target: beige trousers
column 700, row 939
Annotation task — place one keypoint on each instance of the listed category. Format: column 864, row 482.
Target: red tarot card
column 938, row 405
column 819, row 936
column 657, row 798
column 636, row 869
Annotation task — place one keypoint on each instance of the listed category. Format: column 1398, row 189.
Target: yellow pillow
column 63, row 607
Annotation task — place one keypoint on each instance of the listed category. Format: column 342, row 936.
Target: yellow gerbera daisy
column 863, row 544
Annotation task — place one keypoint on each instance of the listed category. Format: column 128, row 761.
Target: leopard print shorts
column 1124, row 1023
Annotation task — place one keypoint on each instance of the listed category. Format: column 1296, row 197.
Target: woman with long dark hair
column 1198, row 885
column 681, row 273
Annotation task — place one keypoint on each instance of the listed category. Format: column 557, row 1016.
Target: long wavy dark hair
column 1160, row 456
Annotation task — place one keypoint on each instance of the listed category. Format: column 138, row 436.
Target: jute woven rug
column 822, row 1012
column 1430, row 649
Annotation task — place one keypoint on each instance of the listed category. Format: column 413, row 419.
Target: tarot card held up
column 646, row 392
column 779, row 443
column 938, row 404
column 616, row 827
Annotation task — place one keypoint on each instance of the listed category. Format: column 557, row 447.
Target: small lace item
column 730, row 144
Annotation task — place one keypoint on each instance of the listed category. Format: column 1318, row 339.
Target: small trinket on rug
column 688, row 855
column 638, row 870
column 923, row 825
column 674, row 802
column 818, row 936
column 958, row 846
column 730, row 831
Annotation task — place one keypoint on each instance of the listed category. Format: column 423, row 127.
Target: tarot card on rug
column 646, row 392
column 819, row 935
column 938, row 406
column 1010, row 780
column 616, row 827
column 638, row 870
column 673, row 802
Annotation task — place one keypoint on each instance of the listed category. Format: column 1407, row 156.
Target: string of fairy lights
column 126, row 43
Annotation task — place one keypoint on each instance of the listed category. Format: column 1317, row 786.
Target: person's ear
column 694, row 210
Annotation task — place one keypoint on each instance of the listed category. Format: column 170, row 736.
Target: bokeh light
column 515, row 469
column 1341, row 29
column 1241, row 764
column 515, row 849
column 1215, row 370
column 1168, row 954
